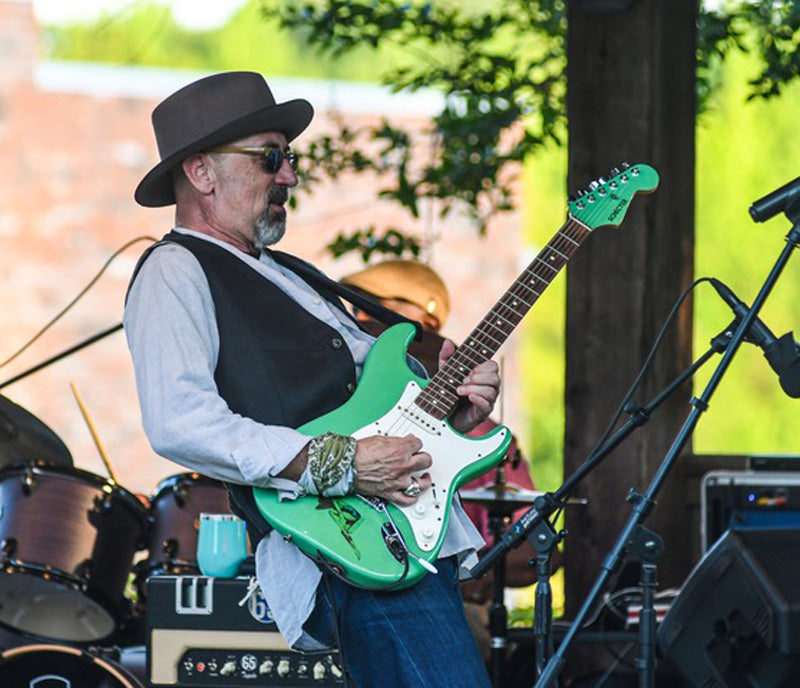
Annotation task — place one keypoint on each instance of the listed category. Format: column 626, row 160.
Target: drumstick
column 95, row 437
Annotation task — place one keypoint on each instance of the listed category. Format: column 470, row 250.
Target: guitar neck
column 439, row 397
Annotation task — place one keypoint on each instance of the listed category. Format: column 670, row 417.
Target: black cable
column 649, row 359
column 619, row 659
column 331, row 568
column 75, row 300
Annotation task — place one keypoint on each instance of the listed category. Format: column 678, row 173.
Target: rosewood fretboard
column 439, row 397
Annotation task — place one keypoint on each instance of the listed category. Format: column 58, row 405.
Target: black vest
column 278, row 364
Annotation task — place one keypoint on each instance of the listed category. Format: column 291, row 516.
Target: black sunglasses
column 271, row 155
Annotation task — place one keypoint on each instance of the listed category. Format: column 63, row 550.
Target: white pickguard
column 450, row 453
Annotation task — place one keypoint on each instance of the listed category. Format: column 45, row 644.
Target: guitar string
column 509, row 318
column 554, row 256
column 506, row 316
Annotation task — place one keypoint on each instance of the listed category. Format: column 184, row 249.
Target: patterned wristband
column 330, row 458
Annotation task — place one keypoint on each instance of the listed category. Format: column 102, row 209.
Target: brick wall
column 74, row 142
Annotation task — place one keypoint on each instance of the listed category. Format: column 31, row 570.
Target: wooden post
column 631, row 97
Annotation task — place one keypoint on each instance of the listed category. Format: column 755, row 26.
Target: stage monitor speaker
column 736, row 621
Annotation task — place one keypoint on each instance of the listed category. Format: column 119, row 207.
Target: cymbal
column 505, row 494
column 23, row 438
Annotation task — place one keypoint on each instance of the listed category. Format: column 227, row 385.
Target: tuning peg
column 625, row 165
column 594, row 184
column 581, row 192
column 615, row 171
column 602, row 180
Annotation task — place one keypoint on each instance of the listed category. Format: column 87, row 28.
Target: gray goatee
column 271, row 226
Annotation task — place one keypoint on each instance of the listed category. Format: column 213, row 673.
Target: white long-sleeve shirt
column 172, row 335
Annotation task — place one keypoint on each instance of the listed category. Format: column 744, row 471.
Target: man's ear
column 199, row 173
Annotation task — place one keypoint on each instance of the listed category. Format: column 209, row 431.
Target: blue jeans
column 412, row 638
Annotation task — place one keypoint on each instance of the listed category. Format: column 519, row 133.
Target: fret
column 555, row 250
column 515, row 302
column 439, row 397
column 536, row 294
column 472, row 361
column 485, row 335
column 513, row 324
column 555, row 270
column 494, row 339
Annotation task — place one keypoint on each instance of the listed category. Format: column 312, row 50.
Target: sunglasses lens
column 273, row 159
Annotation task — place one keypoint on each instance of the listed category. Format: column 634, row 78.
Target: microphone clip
column 783, row 356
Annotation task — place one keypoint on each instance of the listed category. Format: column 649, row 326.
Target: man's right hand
column 385, row 467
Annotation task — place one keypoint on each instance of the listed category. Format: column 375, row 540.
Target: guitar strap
column 332, row 288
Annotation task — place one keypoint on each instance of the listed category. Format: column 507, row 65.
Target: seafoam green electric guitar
column 378, row 545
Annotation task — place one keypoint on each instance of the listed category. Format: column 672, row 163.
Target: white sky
column 195, row 14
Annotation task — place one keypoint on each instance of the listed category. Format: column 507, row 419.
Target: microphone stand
column 63, row 354
column 535, row 526
column 643, row 504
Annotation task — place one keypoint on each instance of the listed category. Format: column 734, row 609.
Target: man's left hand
column 480, row 388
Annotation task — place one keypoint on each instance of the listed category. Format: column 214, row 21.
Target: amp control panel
column 211, row 667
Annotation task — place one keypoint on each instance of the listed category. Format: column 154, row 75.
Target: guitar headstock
column 606, row 200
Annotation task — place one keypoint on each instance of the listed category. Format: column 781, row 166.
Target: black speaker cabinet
column 736, row 621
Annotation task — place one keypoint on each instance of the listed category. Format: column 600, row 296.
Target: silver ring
column 413, row 489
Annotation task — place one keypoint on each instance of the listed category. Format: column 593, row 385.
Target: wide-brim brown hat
column 213, row 110
column 408, row 280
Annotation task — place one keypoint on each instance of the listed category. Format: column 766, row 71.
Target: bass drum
column 175, row 510
column 61, row 666
column 67, row 544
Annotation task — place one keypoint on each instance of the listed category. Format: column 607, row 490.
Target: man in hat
column 235, row 345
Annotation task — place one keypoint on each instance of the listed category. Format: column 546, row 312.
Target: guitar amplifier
column 219, row 632
column 748, row 500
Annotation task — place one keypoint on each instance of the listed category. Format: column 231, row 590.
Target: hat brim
column 291, row 118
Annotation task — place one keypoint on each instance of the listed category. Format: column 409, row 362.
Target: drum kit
column 76, row 551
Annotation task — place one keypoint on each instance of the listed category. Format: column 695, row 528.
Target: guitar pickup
column 422, row 420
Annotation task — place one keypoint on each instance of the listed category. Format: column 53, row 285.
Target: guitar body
column 377, row 545
column 350, row 533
